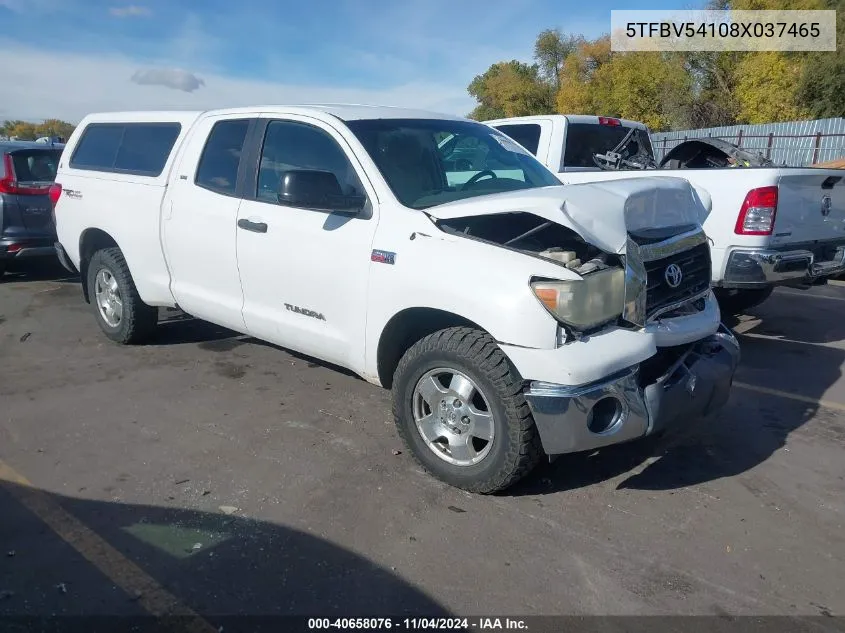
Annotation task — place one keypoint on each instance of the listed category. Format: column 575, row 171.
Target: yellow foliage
column 766, row 88
column 644, row 86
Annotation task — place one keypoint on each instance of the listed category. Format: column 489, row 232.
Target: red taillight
column 757, row 213
column 13, row 248
column 55, row 193
column 9, row 184
column 604, row 120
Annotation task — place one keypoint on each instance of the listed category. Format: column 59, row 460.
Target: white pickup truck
column 512, row 317
column 767, row 226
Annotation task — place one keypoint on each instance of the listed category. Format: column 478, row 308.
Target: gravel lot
column 213, row 473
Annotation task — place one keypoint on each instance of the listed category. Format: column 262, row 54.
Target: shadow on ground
column 36, row 270
column 217, row 565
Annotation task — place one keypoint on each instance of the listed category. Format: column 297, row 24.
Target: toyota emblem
column 673, row 275
column 826, row 206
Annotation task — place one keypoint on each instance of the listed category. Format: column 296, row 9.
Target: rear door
column 27, row 176
column 811, row 205
column 200, row 220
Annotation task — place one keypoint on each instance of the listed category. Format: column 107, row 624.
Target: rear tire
column 2, row 267
column 457, row 387
column 734, row 303
column 121, row 314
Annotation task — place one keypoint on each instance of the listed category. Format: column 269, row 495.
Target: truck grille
column 695, row 278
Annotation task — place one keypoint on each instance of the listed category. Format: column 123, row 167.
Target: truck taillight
column 55, row 193
column 757, row 213
column 605, row 120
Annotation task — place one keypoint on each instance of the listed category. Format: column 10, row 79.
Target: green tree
column 821, row 89
column 550, row 51
column 510, row 89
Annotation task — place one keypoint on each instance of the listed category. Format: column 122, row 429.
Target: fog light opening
column 605, row 415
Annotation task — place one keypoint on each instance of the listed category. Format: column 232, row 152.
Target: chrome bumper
column 748, row 268
column 620, row 408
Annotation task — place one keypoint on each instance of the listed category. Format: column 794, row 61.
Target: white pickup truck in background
column 512, row 317
column 767, row 225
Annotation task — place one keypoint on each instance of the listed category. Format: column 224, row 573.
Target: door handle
column 255, row 227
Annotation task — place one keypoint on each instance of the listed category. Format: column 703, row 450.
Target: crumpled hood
column 603, row 213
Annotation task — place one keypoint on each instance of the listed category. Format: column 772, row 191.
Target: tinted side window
column 289, row 145
column 145, row 148
column 98, row 147
column 140, row 149
column 221, row 157
column 526, row 134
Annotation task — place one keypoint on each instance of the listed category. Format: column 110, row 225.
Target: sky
column 67, row 58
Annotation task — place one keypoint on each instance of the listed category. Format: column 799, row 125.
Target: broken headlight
column 587, row 302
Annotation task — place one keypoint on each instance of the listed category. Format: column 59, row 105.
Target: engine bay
column 533, row 235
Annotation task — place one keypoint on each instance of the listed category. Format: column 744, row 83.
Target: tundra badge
column 305, row 311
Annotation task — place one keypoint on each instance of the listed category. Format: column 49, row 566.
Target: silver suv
column 27, row 195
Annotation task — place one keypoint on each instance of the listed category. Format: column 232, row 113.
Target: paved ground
column 132, row 452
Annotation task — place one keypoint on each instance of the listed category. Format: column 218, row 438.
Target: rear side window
column 583, row 140
column 221, row 157
column 526, row 134
column 140, row 149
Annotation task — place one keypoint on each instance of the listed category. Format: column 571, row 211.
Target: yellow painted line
column 827, row 404
column 154, row 598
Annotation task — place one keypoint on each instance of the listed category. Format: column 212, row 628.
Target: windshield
column 427, row 162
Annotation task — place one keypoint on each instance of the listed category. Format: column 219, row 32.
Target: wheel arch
column 406, row 328
column 90, row 241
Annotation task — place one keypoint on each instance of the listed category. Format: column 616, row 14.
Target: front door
column 304, row 271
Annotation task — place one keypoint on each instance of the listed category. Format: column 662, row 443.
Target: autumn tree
column 28, row 131
column 578, row 78
column 510, row 89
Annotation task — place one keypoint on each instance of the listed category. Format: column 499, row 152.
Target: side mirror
column 316, row 189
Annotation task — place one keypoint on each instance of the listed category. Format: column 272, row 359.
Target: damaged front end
column 635, row 268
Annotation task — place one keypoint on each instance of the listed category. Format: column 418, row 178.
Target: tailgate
column 811, row 205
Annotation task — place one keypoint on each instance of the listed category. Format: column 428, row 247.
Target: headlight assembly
column 587, row 302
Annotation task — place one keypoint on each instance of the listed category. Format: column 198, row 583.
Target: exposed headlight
column 584, row 303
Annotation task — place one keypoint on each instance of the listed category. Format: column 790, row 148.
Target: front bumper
column 635, row 402
column 19, row 248
column 757, row 268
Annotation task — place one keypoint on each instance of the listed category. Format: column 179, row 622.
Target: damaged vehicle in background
column 769, row 225
column 512, row 317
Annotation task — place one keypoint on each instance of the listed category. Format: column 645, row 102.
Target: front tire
column 121, row 314
column 459, row 408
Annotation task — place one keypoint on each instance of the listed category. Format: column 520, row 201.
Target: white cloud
column 132, row 11
column 169, row 78
column 69, row 86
